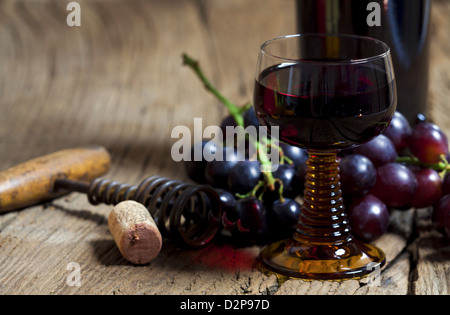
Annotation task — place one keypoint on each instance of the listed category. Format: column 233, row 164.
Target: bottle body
column 404, row 26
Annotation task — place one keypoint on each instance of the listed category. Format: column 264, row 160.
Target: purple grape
column 428, row 143
column 196, row 169
column 395, row 185
column 398, row 131
column 298, row 155
column 229, row 214
column 368, row 217
column 358, row 174
column 244, row 176
column 216, row 172
column 288, row 176
column 446, row 184
column 380, row 150
column 429, row 188
column 252, row 222
column 441, row 211
column 283, row 217
column 228, row 203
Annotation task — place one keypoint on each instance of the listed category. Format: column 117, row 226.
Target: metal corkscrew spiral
column 187, row 212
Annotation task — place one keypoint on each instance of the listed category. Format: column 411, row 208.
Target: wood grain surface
column 118, row 81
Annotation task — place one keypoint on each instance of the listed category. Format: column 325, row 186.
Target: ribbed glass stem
column 323, row 218
column 322, row 246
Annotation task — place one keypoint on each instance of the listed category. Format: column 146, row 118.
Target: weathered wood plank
column 118, row 81
column 432, row 255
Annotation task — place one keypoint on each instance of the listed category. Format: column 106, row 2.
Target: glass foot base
column 322, row 261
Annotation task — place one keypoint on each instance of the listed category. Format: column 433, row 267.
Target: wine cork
column 135, row 232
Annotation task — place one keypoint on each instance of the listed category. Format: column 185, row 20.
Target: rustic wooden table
column 118, row 81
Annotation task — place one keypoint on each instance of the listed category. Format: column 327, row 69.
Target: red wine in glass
column 334, row 113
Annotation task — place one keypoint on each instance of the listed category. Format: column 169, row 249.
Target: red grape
column 398, row 131
column 428, row 143
column 446, row 184
column 441, row 211
column 358, row 174
column 428, row 188
column 395, row 185
column 380, row 150
column 368, row 217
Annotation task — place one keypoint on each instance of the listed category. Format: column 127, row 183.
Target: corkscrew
column 182, row 211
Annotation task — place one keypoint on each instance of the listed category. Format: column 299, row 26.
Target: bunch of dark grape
column 257, row 206
column 406, row 166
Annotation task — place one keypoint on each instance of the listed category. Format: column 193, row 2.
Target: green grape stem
column 238, row 114
column 442, row 166
column 234, row 110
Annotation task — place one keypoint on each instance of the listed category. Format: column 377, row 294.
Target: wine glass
column 324, row 93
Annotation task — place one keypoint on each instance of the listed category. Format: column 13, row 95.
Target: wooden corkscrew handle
column 32, row 182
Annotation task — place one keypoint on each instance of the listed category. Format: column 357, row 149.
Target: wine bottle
column 402, row 24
